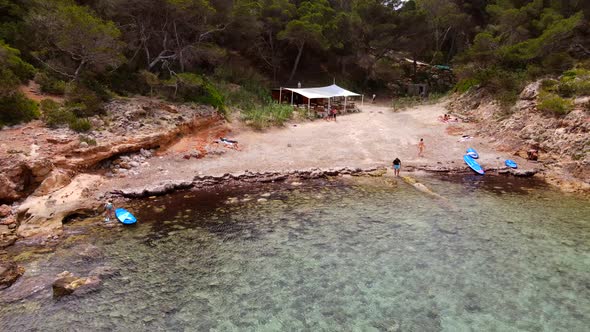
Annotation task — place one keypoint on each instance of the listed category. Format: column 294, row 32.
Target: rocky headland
column 562, row 140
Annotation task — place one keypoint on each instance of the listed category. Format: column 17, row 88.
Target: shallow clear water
column 372, row 255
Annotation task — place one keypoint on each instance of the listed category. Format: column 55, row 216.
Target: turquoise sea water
column 501, row 254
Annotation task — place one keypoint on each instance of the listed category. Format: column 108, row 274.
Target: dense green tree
column 14, row 106
column 310, row 28
column 72, row 39
column 150, row 46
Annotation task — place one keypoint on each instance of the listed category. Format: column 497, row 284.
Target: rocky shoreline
column 562, row 140
column 51, row 236
column 211, row 181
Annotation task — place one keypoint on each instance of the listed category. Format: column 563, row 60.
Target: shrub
column 503, row 84
column 83, row 101
column 556, row 63
column 80, row 125
column 17, row 108
column 582, row 88
column 50, row 84
column 195, row 88
column 213, row 97
column 549, row 85
column 150, row 79
column 250, row 81
column 575, row 82
column 89, row 140
column 10, row 58
column 240, row 97
column 550, row 102
column 54, row 115
column 466, row 84
column 566, row 89
column 268, row 115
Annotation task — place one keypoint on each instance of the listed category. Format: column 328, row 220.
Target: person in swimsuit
column 421, row 148
column 397, row 164
column 109, row 211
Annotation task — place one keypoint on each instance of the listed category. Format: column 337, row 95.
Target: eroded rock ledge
column 32, row 153
column 206, row 181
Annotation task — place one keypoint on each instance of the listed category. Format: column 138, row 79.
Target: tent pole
column 345, row 104
column 308, row 106
column 362, row 101
column 280, row 95
column 291, row 98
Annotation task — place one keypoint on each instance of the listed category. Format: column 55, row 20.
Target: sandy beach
column 372, row 138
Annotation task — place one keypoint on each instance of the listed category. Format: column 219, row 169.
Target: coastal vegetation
column 229, row 53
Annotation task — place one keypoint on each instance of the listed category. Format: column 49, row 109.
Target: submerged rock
column 90, row 251
column 9, row 273
column 103, row 272
column 67, row 284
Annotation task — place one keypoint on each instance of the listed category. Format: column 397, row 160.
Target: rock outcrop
column 206, row 181
column 56, row 180
column 43, row 215
column 33, row 157
column 9, row 273
column 5, row 210
column 561, row 140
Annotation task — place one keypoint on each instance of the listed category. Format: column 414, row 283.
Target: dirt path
column 373, row 137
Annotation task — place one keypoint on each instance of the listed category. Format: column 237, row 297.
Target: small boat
column 511, row 163
column 472, row 153
column 473, row 164
column 125, row 216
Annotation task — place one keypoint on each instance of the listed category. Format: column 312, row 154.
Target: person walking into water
column 397, row 164
column 109, row 211
column 421, row 148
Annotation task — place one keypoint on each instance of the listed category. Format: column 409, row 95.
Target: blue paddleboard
column 472, row 153
column 511, row 163
column 473, row 164
column 125, row 216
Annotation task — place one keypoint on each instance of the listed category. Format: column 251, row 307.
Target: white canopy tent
column 324, row 92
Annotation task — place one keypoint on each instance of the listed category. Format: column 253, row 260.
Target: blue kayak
column 511, row 163
column 472, row 153
column 473, row 164
column 125, row 216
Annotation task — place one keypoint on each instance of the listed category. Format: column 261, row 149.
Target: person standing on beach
column 397, row 164
column 421, row 148
column 373, row 100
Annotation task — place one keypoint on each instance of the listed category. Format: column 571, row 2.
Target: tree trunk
column 273, row 57
column 79, row 69
column 296, row 64
column 415, row 66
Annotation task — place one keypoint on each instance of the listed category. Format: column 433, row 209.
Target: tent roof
column 324, row 92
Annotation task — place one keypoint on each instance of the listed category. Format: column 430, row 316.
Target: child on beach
column 109, row 211
column 333, row 113
column 421, row 148
column 397, row 164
